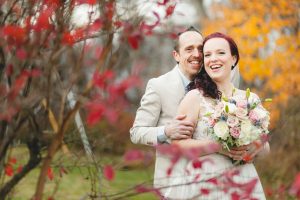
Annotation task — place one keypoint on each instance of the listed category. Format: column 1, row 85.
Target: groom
column 156, row 121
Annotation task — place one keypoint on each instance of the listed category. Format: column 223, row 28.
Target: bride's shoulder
column 195, row 93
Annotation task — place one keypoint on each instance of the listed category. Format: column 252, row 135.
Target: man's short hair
column 176, row 41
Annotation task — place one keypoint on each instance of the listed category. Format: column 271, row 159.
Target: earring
column 232, row 67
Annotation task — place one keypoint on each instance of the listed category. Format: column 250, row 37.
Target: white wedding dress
column 195, row 180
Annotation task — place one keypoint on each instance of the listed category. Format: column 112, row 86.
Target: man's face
column 189, row 55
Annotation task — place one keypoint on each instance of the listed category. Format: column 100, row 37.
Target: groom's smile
column 189, row 54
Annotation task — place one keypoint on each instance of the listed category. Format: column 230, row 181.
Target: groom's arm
column 144, row 129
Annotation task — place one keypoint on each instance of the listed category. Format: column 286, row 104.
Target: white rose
column 255, row 133
column 265, row 124
column 221, row 130
column 249, row 133
column 261, row 113
column 246, row 127
column 231, row 107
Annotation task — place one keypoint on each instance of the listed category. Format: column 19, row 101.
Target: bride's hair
column 202, row 81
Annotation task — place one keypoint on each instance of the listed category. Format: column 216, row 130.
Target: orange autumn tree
column 267, row 33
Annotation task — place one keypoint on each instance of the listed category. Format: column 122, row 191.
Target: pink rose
column 235, row 132
column 232, row 121
column 241, row 104
column 253, row 116
column 241, row 113
column 211, row 122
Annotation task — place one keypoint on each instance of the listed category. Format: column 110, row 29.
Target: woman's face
column 218, row 59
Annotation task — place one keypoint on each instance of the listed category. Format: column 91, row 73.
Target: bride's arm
column 190, row 106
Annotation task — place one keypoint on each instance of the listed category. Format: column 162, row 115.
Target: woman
column 213, row 82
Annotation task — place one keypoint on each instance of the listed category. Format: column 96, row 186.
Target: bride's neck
column 226, row 88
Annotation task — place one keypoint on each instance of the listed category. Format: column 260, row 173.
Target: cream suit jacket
column 158, row 108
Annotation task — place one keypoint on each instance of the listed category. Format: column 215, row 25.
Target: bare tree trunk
column 34, row 160
column 54, row 146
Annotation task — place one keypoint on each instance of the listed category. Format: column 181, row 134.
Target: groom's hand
column 180, row 128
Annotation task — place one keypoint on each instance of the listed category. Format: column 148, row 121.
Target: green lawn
column 76, row 184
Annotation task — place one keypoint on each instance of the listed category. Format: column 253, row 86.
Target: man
column 156, row 121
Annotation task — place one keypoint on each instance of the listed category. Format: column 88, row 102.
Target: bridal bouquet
column 237, row 122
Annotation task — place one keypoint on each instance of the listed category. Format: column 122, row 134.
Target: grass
column 77, row 182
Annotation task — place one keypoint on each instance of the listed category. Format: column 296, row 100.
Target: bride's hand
column 240, row 153
column 224, row 152
column 256, row 148
column 248, row 152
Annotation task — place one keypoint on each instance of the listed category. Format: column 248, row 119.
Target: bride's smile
column 218, row 59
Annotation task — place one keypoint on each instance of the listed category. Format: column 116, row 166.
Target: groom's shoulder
column 164, row 78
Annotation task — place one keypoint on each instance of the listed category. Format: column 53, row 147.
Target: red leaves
column 197, row 164
column 52, row 3
column 170, row 10
column 90, row 2
column 247, row 158
column 62, row 171
column 133, row 155
column 21, row 54
column 204, row 191
column 43, row 20
column 50, row 174
column 9, row 70
column 111, row 93
column 133, row 41
column 235, row 196
column 12, row 160
column 11, row 107
column 69, row 38
column 146, row 28
column 20, row 168
column 95, row 112
column 143, row 189
column 9, row 167
column 101, row 79
column 95, row 26
column 118, row 90
column 213, row 181
column 163, row 3
column 8, row 113
column 109, row 10
column 9, row 171
column 239, row 190
column 20, row 82
column 108, row 172
column 295, row 189
column 14, row 34
column 82, row 33
column 175, row 152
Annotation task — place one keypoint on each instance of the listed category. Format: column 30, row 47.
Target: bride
column 220, row 57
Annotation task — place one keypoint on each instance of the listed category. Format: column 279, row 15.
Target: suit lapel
column 176, row 84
